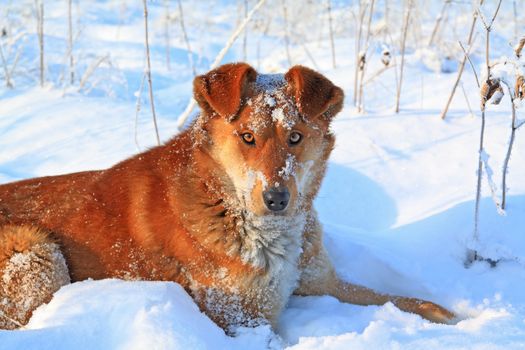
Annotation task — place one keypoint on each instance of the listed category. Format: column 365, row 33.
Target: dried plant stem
column 186, row 40
column 167, row 33
column 362, row 12
column 89, row 71
column 286, row 32
column 148, row 71
column 70, row 43
column 462, row 64
column 330, row 27
column 8, row 82
column 40, row 30
column 472, row 255
column 438, row 22
column 403, row 47
column 218, row 59
column 137, row 110
column 515, row 12
column 360, row 104
column 470, row 62
column 514, row 127
column 519, row 47
column 245, row 37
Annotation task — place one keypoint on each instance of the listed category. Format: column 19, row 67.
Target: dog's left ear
column 222, row 90
column 314, row 94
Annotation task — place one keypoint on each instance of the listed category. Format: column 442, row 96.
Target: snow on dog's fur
column 224, row 208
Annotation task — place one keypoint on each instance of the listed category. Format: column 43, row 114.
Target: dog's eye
column 248, row 138
column 295, row 138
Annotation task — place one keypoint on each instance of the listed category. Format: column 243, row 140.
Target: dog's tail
column 32, row 268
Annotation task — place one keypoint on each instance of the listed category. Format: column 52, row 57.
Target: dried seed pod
column 520, row 87
column 488, row 88
column 386, row 57
column 519, row 47
column 497, row 96
column 362, row 61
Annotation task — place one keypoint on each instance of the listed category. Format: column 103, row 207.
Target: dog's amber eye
column 248, row 138
column 295, row 138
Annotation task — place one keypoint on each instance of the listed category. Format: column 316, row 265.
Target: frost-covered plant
column 506, row 72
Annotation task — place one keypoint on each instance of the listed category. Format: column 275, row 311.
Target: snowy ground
column 397, row 202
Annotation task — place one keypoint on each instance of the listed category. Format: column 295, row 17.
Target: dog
column 225, row 209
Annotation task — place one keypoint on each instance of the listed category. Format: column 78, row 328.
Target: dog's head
column 269, row 134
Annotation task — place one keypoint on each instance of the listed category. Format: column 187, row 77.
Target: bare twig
column 40, row 30
column 462, row 64
column 470, row 62
column 514, row 127
column 186, row 40
column 90, row 70
column 245, row 37
column 473, row 254
column 218, row 59
column 360, row 104
column 137, row 109
column 148, row 71
column 167, row 33
column 403, row 46
column 438, row 22
column 362, row 12
column 70, row 43
column 286, row 32
column 331, row 32
column 8, row 82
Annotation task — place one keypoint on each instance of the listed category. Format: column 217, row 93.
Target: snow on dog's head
column 269, row 133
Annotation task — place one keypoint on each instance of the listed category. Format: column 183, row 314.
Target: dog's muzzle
column 276, row 199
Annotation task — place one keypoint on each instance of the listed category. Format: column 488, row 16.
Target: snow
column 397, row 202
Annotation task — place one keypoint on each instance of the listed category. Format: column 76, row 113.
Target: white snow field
column 397, row 204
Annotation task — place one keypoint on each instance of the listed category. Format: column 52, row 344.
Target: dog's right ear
column 222, row 90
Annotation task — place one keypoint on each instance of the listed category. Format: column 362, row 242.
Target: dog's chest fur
column 270, row 247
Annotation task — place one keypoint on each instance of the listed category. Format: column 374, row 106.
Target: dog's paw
column 426, row 309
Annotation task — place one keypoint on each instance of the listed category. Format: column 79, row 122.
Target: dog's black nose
column 276, row 199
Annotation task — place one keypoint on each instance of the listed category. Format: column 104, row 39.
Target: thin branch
column 70, row 43
column 438, row 22
column 360, row 104
column 470, row 62
column 331, row 32
column 462, row 64
column 89, row 71
column 167, row 33
column 245, row 37
column 186, row 40
column 148, row 71
column 403, row 46
column 218, row 59
column 509, row 151
column 286, row 33
column 362, row 13
column 137, row 110
column 6, row 70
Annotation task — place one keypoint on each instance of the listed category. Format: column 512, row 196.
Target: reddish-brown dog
column 224, row 209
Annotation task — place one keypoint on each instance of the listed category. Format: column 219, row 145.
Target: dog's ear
column 314, row 94
column 222, row 90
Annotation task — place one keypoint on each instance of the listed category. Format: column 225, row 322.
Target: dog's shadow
column 348, row 198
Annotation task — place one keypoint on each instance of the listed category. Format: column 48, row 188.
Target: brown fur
column 192, row 210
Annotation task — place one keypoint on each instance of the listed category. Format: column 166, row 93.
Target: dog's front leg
column 318, row 277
